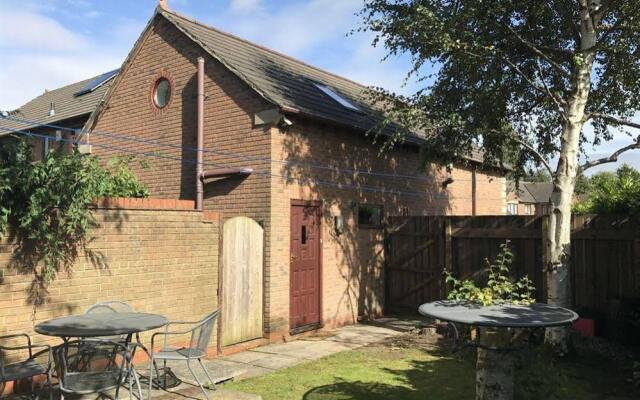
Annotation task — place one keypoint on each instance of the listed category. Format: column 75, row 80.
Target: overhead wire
column 232, row 154
column 155, row 154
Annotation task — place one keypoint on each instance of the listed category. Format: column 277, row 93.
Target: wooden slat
column 496, row 233
column 605, row 260
column 242, row 263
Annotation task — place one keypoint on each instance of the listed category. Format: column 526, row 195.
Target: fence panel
column 605, row 262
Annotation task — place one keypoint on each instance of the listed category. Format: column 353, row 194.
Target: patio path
column 273, row 357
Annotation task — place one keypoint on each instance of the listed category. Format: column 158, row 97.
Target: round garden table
column 102, row 325
column 496, row 323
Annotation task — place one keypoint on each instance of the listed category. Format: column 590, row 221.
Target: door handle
column 293, row 257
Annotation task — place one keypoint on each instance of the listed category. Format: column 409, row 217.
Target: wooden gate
column 242, row 283
column 605, row 258
column 414, row 259
column 418, row 249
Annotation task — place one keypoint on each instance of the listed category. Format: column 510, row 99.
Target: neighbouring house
column 529, row 198
column 283, row 143
column 66, row 107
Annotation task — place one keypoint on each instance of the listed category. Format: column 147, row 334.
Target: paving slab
column 276, row 362
column 286, row 348
column 363, row 335
column 319, row 349
column 218, row 394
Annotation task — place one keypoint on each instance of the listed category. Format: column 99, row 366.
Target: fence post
column 448, row 254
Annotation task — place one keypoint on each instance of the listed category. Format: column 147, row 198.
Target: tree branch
column 539, row 52
column 612, row 158
column 526, row 78
column 553, row 97
column 535, row 152
column 613, row 120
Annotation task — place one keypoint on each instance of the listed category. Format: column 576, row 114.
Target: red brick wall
column 352, row 262
column 348, row 260
column 229, row 107
column 160, row 261
column 230, row 137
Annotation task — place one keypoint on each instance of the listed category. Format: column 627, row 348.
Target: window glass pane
column 335, row 96
column 369, row 216
column 162, row 93
column 304, row 234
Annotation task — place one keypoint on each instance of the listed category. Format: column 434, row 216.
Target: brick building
column 285, row 144
column 529, row 198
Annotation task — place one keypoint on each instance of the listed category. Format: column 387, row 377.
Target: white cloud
column 293, row 28
column 26, row 30
column 236, row 6
column 39, row 53
column 92, row 14
column 365, row 65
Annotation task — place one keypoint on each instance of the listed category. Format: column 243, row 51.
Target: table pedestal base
column 494, row 368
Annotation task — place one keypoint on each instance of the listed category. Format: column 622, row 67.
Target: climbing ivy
column 500, row 288
column 45, row 206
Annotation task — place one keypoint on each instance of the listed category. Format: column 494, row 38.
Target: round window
column 162, row 93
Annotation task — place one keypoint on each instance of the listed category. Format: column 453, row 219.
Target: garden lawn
column 387, row 371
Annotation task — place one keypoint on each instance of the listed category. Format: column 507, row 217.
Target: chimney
column 164, row 4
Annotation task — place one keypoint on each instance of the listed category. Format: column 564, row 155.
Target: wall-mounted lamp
column 338, row 221
column 447, row 182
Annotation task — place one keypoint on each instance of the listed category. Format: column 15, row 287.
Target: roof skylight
column 96, row 82
column 335, row 96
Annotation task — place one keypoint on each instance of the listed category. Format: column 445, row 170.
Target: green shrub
column 612, row 193
column 500, row 287
column 45, row 205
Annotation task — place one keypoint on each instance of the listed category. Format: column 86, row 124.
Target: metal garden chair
column 200, row 332
column 89, row 347
column 80, row 376
column 92, row 346
column 25, row 369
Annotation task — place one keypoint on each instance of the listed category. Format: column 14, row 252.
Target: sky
column 45, row 44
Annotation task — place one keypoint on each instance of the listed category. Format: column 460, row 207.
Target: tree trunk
column 494, row 369
column 558, row 240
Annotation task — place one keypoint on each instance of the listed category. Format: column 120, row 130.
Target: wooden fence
column 605, row 263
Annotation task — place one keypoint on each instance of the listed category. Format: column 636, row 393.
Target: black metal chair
column 95, row 347
column 80, row 375
column 28, row 368
column 200, row 332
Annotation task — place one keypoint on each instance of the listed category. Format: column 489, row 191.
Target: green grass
column 383, row 372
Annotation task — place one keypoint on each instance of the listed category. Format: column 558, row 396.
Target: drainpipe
column 200, row 141
column 474, row 191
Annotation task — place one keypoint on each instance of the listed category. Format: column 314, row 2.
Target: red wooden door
column 305, row 267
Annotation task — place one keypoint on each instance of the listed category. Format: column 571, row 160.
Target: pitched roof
column 284, row 81
column 540, row 191
column 66, row 104
column 532, row 192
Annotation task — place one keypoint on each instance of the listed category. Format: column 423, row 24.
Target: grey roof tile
column 282, row 80
column 531, row 192
column 66, row 106
column 540, row 191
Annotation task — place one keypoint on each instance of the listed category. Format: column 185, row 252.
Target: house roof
column 66, row 103
column 284, row 81
column 540, row 191
column 532, row 192
column 289, row 84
